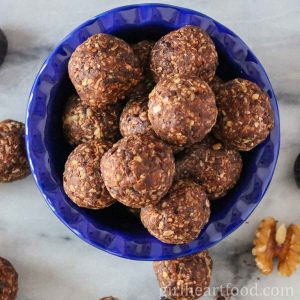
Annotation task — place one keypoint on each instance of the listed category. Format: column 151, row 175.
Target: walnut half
column 271, row 242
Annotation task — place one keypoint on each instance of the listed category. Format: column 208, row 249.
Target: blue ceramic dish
column 113, row 229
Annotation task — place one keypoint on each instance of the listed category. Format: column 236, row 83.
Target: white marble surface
column 55, row 264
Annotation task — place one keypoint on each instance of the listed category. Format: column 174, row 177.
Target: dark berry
column 297, row 171
column 3, row 46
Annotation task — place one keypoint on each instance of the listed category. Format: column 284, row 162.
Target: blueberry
column 297, row 171
column 3, row 46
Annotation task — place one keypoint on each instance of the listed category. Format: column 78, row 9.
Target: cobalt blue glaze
column 114, row 229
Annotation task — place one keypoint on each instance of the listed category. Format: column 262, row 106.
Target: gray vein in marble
column 288, row 98
column 28, row 54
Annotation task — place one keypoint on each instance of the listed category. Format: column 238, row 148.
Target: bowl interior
column 115, row 229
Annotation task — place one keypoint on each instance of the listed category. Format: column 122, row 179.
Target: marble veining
column 55, row 264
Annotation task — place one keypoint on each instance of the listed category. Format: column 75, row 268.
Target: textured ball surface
column 186, row 51
column 180, row 216
column 8, row 280
column 13, row 158
column 138, row 170
column 81, row 124
column 185, row 278
column 134, row 118
column 245, row 116
column 102, row 69
column 182, row 110
column 83, row 182
column 211, row 164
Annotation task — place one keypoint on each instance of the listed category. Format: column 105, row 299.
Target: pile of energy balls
column 182, row 129
column 156, row 130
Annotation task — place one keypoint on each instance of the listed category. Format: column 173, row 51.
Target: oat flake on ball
column 103, row 69
column 245, row 116
column 180, row 216
column 186, row 51
column 81, row 123
column 184, row 278
column 138, row 170
column 182, row 110
column 13, row 158
column 211, row 164
column 8, row 280
column 83, row 182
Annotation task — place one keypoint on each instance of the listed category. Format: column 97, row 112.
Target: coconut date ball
column 143, row 50
column 211, row 164
column 13, row 159
column 186, row 51
column 83, row 182
column 8, row 280
column 180, row 216
column 245, row 116
column 184, row 278
column 134, row 117
column 102, row 69
column 3, row 46
column 182, row 110
column 81, row 123
column 138, row 170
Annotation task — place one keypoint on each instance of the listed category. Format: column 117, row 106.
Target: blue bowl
column 114, row 229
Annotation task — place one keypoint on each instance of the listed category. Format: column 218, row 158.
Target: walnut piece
column 281, row 243
column 289, row 255
column 264, row 245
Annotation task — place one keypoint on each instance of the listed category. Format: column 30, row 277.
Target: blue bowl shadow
column 114, row 229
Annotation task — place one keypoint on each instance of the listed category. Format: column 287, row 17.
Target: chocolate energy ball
column 184, row 278
column 180, row 216
column 82, row 176
column 13, row 159
column 143, row 50
column 8, row 280
column 3, row 46
column 211, row 164
column 134, row 118
column 245, row 116
column 138, row 170
column 103, row 69
column 186, row 51
column 81, row 123
column 182, row 110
